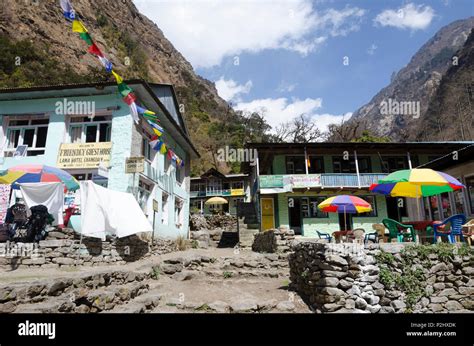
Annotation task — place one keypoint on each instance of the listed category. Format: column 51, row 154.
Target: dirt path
column 196, row 280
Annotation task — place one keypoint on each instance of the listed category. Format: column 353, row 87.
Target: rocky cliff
column 419, row 83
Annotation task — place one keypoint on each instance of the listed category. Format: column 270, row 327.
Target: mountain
column 426, row 83
column 39, row 47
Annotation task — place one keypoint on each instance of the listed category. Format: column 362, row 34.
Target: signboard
column 155, row 206
column 84, row 155
column 269, row 181
column 308, row 180
column 135, row 164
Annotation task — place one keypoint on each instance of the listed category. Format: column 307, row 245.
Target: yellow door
column 268, row 213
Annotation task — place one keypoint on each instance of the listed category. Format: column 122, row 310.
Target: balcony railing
column 324, row 180
column 350, row 180
column 223, row 192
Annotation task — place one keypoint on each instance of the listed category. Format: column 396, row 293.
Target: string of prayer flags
column 125, row 91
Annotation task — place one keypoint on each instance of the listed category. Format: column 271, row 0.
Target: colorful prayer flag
column 86, row 37
column 117, row 77
column 106, row 63
column 130, row 98
column 93, row 49
column 124, row 90
column 68, row 11
column 163, row 148
column 133, row 111
column 77, row 26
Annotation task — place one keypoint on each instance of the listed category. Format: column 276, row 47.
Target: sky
column 321, row 58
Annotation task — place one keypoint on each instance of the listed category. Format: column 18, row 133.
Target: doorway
column 347, row 219
column 396, row 208
column 294, row 211
column 268, row 213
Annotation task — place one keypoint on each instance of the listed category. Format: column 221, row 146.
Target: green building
column 234, row 188
column 291, row 179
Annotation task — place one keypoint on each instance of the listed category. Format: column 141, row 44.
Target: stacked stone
column 274, row 240
column 54, row 253
column 345, row 278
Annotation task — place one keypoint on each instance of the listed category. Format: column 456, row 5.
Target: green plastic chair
column 394, row 230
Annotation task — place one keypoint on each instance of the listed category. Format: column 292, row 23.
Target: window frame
column 84, row 124
column 33, row 149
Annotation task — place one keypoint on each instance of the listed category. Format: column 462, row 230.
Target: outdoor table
column 421, row 228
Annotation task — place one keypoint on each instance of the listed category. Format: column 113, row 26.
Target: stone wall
column 53, row 253
column 208, row 230
column 384, row 278
column 273, row 240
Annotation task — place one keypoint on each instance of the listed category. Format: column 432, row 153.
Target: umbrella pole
column 345, row 221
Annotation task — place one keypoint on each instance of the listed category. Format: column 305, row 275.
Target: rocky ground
column 192, row 281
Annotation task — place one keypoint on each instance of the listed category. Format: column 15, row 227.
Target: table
column 421, row 228
column 338, row 235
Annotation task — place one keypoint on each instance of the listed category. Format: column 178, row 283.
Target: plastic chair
column 323, row 235
column 394, row 230
column 456, row 222
column 377, row 235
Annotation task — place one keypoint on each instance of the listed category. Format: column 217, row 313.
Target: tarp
column 107, row 212
column 50, row 195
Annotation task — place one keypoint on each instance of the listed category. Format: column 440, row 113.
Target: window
column 314, row 210
column 83, row 129
column 178, row 212
column 30, row 131
column 236, row 185
column 179, row 174
column 371, row 201
column 295, row 165
column 164, row 209
column 446, row 205
column 434, row 207
column 348, row 166
column 459, row 201
column 147, row 152
column 214, row 186
column 394, row 163
column 316, row 165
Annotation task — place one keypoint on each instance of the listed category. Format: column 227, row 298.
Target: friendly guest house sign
column 84, row 155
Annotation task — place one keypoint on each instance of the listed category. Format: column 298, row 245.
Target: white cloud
column 286, row 87
column 231, row 90
column 409, row 16
column 283, row 110
column 372, row 49
column 206, row 31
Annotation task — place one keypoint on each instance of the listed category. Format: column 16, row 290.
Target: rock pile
column 207, row 230
column 348, row 278
column 274, row 240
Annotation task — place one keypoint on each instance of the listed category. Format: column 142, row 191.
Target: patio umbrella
column 416, row 183
column 344, row 204
column 37, row 174
column 216, row 200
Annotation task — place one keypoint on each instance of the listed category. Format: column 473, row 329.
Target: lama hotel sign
column 84, row 155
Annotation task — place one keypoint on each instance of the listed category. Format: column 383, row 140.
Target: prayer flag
column 124, row 89
column 130, row 98
column 133, row 110
column 163, row 148
column 117, row 77
column 106, row 63
column 93, row 49
column 77, row 26
column 86, row 37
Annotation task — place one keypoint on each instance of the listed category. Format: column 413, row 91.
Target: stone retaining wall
column 384, row 278
column 53, row 253
column 273, row 240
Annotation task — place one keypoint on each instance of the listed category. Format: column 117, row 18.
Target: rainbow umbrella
column 37, row 174
column 416, row 183
column 344, row 204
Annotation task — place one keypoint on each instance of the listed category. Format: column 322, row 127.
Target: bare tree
column 346, row 131
column 301, row 129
